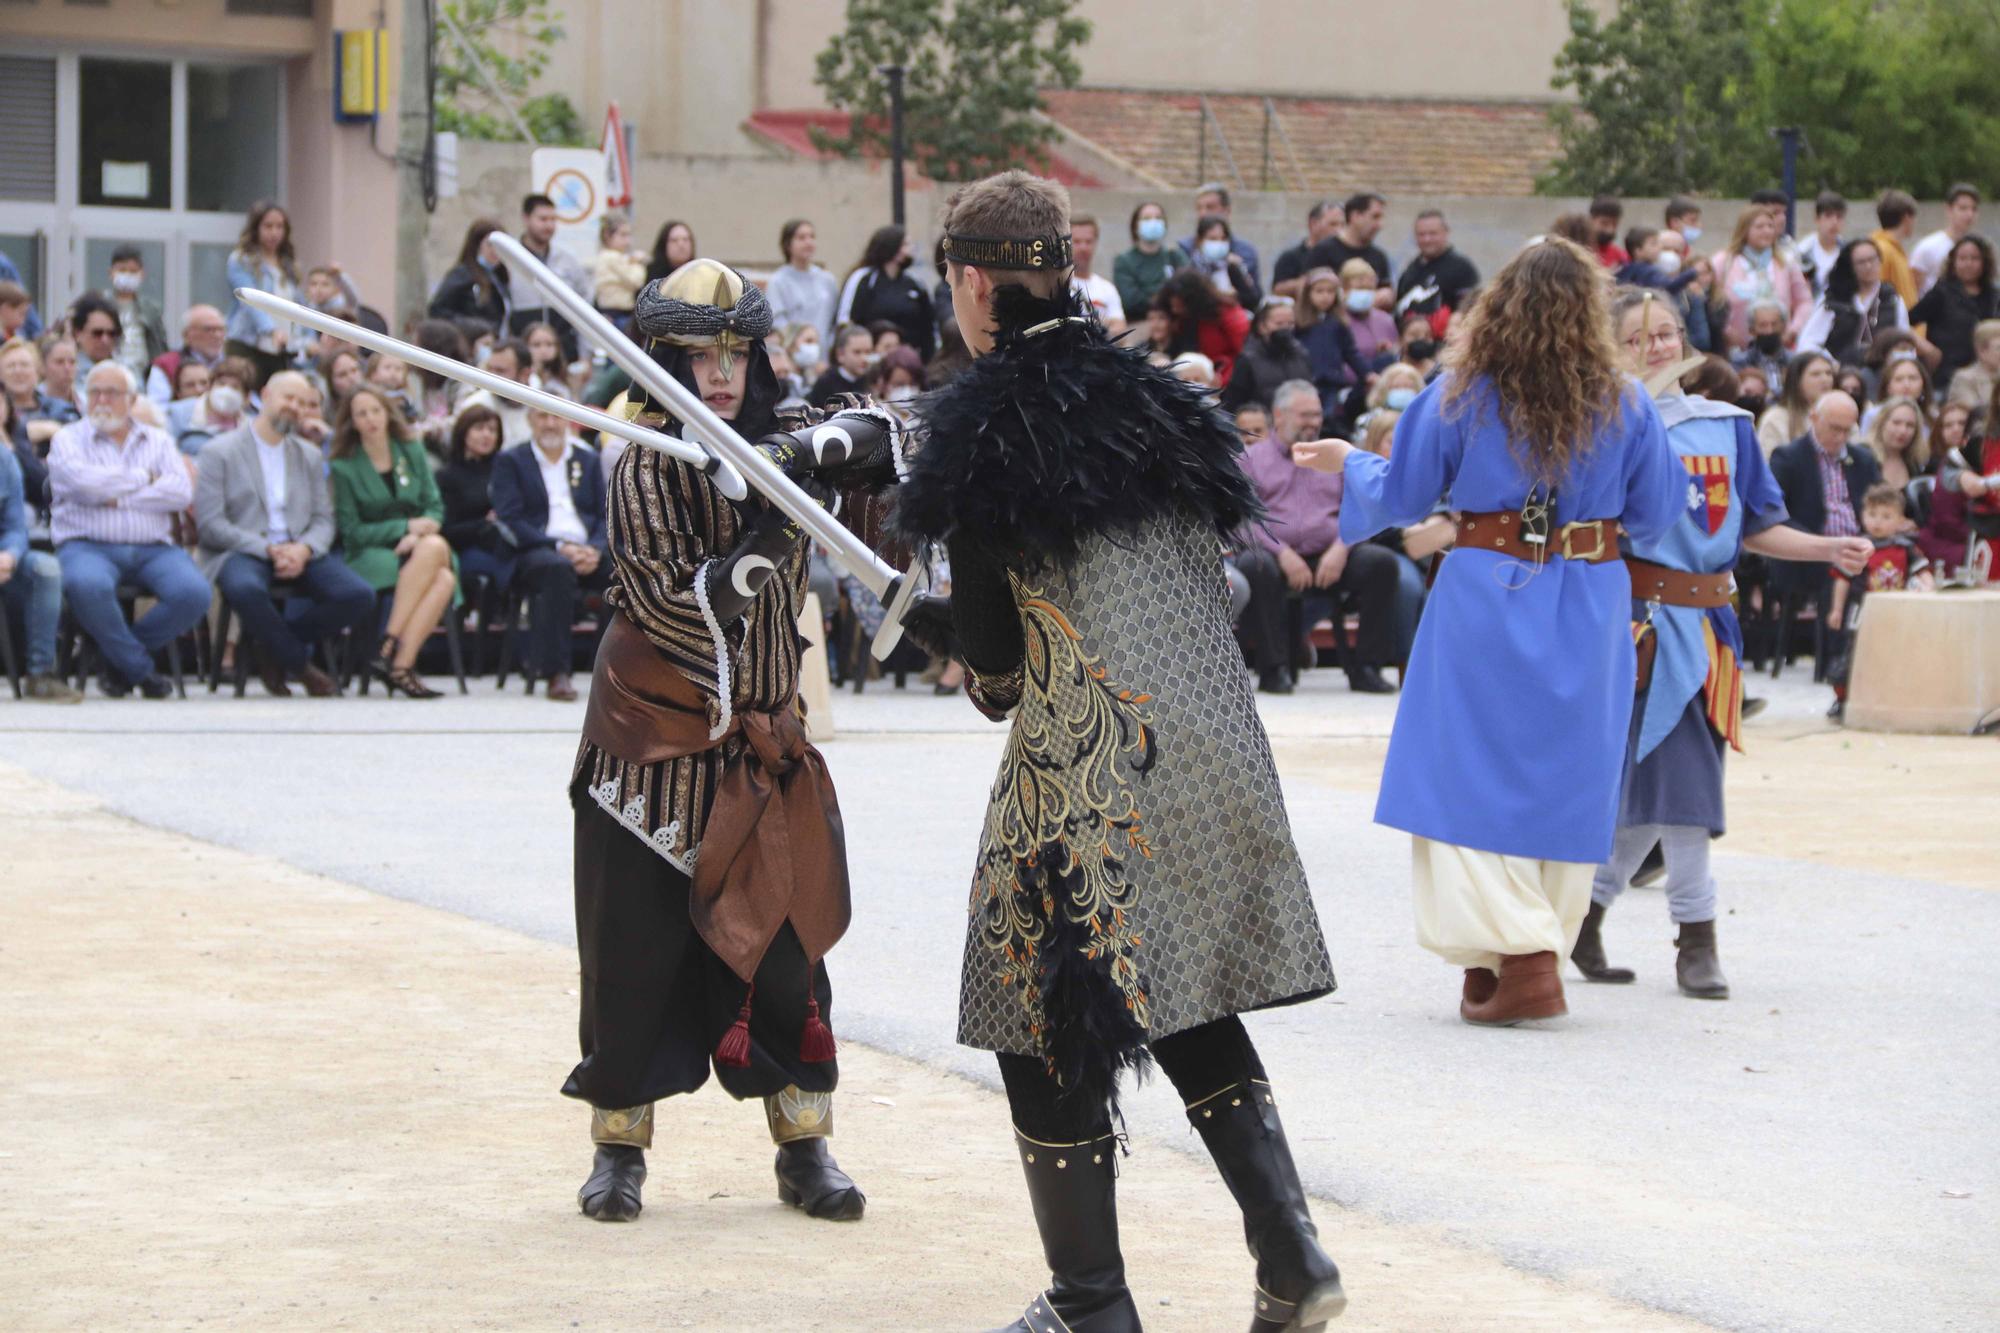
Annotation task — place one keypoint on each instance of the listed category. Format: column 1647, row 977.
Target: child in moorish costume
column 1690, row 700
column 711, row 876
column 1895, row 564
column 1136, row 887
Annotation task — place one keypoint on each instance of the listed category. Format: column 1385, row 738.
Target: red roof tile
column 792, row 131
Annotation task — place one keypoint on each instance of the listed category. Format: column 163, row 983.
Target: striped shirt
column 1840, row 520
column 119, row 493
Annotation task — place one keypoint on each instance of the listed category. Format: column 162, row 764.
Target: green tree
column 971, row 90
column 510, row 42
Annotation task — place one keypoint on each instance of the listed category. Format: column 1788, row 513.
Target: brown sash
column 773, row 847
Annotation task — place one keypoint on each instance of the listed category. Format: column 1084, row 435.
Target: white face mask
column 127, row 283
column 806, row 354
column 1669, row 262
column 225, row 400
column 902, row 393
column 871, row 359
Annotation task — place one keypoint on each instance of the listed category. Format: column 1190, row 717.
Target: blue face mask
column 1361, row 302
column 1691, row 232
column 1152, row 229
column 1215, row 249
column 1398, row 399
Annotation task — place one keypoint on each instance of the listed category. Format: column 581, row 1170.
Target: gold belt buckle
column 1569, row 531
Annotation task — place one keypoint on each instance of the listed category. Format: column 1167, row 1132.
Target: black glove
column 765, row 542
column 848, row 448
column 927, row 624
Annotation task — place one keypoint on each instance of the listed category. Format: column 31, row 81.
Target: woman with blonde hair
column 1900, row 437
column 1750, row 270
column 1520, row 682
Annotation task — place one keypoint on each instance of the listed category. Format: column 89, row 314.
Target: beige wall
column 341, row 192
column 179, row 24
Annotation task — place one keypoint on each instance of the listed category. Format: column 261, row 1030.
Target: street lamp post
column 894, row 73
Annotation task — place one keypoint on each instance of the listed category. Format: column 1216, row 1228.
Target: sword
column 727, row 479
column 895, row 590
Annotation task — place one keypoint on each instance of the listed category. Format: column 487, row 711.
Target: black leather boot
column 619, row 1169
column 808, row 1177
column 1588, row 955
column 1074, row 1188
column 1298, row 1286
column 1697, row 967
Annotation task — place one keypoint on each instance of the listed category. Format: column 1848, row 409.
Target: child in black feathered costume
column 1137, row 886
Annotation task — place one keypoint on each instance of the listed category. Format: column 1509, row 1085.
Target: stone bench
column 1926, row 662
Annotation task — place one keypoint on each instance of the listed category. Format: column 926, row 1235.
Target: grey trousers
column 1690, row 887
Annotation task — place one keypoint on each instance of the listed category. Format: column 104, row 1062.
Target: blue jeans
column 35, row 592
column 91, row 573
column 327, row 597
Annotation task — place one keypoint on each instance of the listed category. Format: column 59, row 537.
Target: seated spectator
column 191, row 380
column 264, row 261
column 1416, row 546
column 340, row 372
column 478, row 284
column 1202, row 322
column 15, row 305
column 202, row 342
column 1420, row 345
column 265, row 514
column 617, row 270
column 1899, row 438
column 30, row 584
column 1212, row 201
column 33, row 418
column 1766, row 347
column 1973, row 384
column 898, row 377
column 1824, row 481
column 510, row 360
column 1098, row 291
column 1713, row 379
column 1440, row 281
column 1395, row 388
column 1963, row 297
column 673, row 246
column 801, row 291
column 1253, row 423
column 1193, row 368
column 484, row 548
column 391, row 374
column 193, row 422
column 853, row 353
column 1857, row 384
column 1222, row 266
column 1323, row 219
column 1856, row 305
column 117, row 485
column 59, row 379
column 1753, row 390
column 887, row 339
column 433, row 398
column 1374, row 328
column 391, row 519
column 94, row 323
column 1301, row 532
column 1945, row 532
column 142, row 330
column 549, row 495
column 1271, row 355
column 1337, row 366
column 545, row 356
column 1141, row 271
column 1808, row 377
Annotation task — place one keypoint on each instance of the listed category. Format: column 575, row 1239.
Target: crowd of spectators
column 321, row 492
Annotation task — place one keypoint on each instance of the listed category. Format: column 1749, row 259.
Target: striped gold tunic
column 666, row 522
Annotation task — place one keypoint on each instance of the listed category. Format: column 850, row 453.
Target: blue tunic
column 1511, row 733
column 1674, row 772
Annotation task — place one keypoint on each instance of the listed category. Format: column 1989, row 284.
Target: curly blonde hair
column 1540, row 333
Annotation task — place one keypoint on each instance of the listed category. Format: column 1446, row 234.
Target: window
column 126, row 133
column 287, row 9
column 28, row 111
column 232, row 136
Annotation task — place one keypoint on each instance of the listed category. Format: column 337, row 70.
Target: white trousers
column 1474, row 908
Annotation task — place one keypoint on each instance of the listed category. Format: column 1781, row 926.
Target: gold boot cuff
column 631, row 1125
column 796, row 1115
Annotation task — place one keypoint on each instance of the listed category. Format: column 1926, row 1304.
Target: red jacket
column 1221, row 340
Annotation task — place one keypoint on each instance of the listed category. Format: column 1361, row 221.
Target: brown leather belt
column 1595, row 542
column 1677, row 587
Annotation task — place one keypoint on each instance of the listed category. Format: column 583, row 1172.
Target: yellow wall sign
column 360, row 59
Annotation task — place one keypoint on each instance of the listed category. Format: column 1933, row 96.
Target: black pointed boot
column 1298, row 1286
column 618, row 1171
column 808, row 1177
column 1074, row 1188
column 1588, row 955
column 1697, row 967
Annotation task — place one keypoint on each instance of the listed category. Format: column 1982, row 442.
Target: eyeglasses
column 1656, row 341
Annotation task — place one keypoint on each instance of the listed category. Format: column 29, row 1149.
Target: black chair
column 218, row 638
column 449, row 623
column 7, row 659
column 81, row 651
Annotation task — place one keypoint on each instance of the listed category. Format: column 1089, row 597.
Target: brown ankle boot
column 1530, row 987
column 1480, row 983
column 1588, row 955
column 1697, row 968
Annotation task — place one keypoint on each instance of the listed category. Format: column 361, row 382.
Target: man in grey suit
column 265, row 514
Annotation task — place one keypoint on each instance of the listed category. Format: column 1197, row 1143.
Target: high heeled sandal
column 383, row 665
column 407, row 681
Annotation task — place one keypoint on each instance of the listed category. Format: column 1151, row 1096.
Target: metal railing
column 1208, row 123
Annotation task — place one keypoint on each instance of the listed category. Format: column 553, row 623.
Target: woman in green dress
column 390, row 518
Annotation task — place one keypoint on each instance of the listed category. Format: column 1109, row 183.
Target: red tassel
column 733, row 1051
column 816, row 1041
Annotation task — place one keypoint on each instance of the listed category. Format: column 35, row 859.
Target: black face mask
column 1280, row 340
column 1753, row 403
column 1420, row 349
column 1770, row 344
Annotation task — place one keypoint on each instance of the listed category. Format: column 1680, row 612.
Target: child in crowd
column 853, row 354
column 1897, row 565
column 391, row 374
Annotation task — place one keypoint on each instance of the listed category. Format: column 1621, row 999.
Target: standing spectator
column 1858, row 303
column 529, row 305
column 33, row 418
column 1420, row 348
column 1099, row 291
column 1765, row 349
column 1337, row 364
column 1973, row 385
column 142, row 329
column 1683, row 217
column 549, row 495
column 1606, row 215
column 673, row 246
column 1440, row 280
column 1931, row 259
column 882, row 287
column 618, row 271
column 510, row 360
column 193, row 422
column 59, row 377
column 545, row 356
column 1142, row 270
column 898, row 377
column 1690, row 300
column 203, row 335
column 1817, row 252
column 1750, row 270
column 1361, row 223
column 1323, row 219
column 1373, row 327
column 1957, row 302
column 1945, row 535
column 433, row 398
column 465, row 483
column 93, row 322
column 30, row 583
column 802, row 291
column 1202, row 322
column 853, row 356
column 331, row 292
column 1897, row 214
column 1212, row 201
column 31, row 322
column 1220, row 264
column 117, row 485
column 478, row 285
column 1271, row 356
column 341, row 373
column 266, row 518
column 1301, row 530
column 1808, row 377
column 263, row 259
column 391, row 521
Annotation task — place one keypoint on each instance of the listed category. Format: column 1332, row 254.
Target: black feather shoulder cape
column 1058, row 435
